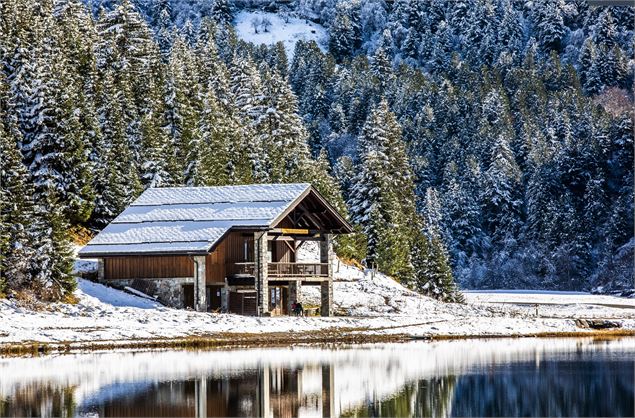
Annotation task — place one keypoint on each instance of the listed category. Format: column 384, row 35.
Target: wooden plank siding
column 142, row 267
column 231, row 250
column 218, row 264
column 282, row 253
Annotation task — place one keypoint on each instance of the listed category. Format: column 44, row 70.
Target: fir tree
column 432, row 273
column 16, row 214
column 382, row 198
column 52, row 263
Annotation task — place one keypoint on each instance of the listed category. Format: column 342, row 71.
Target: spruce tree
column 16, row 215
column 52, row 263
column 382, row 198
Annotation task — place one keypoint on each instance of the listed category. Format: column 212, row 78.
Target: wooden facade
column 148, row 267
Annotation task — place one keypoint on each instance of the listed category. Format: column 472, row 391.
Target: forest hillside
column 487, row 142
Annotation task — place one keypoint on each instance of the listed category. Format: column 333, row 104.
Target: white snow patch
column 84, row 266
column 544, row 297
column 289, row 33
column 96, row 294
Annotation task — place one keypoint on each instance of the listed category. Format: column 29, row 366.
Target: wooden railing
column 298, row 269
column 247, row 267
column 285, row 269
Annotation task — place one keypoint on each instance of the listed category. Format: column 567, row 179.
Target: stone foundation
column 167, row 291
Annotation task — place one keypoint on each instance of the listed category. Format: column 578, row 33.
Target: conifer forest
column 472, row 143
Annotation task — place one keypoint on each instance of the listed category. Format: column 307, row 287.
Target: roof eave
column 139, row 253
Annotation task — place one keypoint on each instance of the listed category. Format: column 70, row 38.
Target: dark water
column 538, row 377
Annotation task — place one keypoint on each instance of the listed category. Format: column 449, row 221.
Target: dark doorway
column 188, row 296
column 213, row 298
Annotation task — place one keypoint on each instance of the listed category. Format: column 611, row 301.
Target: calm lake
column 513, row 377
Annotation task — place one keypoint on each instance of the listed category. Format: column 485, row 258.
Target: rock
column 597, row 324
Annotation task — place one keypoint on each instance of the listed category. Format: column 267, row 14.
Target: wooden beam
column 291, row 231
column 280, row 238
column 290, row 246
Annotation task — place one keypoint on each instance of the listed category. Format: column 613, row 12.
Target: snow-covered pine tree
column 248, row 104
column 432, row 273
column 126, row 48
column 182, row 108
column 16, row 208
column 283, row 135
column 44, row 99
column 52, row 262
column 210, row 162
column 382, row 198
column 342, row 33
column 502, row 204
column 116, row 180
column 549, row 24
column 222, row 11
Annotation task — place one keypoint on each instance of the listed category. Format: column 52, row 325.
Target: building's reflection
column 267, row 392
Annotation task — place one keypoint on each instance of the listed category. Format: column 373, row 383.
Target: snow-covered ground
column 545, row 297
column 280, row 30
column 370, row 303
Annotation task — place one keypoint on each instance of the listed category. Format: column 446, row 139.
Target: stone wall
column 168, row 291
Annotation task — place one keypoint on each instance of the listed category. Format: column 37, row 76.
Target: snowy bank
column 370, row 304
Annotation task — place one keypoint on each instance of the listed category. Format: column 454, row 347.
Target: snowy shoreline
column 373, row 307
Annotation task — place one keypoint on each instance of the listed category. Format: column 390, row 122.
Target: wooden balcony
column 282, row 270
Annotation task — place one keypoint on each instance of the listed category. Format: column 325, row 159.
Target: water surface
column 505, row 377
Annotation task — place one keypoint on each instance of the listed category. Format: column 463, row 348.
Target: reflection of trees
column 40, row 400
column 422, row 398
column 434, row 396
column 551, row 388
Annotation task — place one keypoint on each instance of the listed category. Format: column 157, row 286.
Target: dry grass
column 70, row 298
column 28, row 299
column 610, row 333
column 352, row 262
column 80, row 235
column 226, row 340
column 275, row 339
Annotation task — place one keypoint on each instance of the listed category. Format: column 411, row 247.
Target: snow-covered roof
column 190, row 220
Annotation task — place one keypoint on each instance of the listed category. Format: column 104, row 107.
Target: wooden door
column 213, row 298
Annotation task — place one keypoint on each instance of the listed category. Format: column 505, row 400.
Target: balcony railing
column 298, row 269
column 285, row 269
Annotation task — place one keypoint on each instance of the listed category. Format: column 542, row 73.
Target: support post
column 326, row 255
column 101, row 269
column 261, row 269
column 224, row 299
column 200, row 302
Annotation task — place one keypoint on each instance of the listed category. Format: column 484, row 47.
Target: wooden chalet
column 225, row 249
